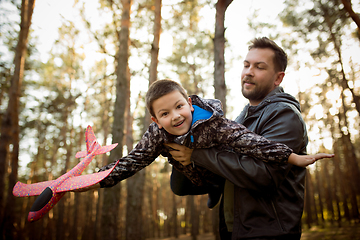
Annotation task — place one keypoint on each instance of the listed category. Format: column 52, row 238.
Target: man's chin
column 248, row 94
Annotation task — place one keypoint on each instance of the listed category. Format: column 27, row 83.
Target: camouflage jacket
column 215, row 131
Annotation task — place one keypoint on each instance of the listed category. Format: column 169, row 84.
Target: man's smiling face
column 259, row 77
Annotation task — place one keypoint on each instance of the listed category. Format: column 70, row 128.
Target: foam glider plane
column 50, row 192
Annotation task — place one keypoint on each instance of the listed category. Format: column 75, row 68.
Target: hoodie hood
column 275, row 96
column 211, row 105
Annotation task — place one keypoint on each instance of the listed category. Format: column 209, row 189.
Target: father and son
column 256, row 163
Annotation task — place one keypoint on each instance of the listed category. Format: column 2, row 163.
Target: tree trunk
column 154, row 54
column 327, row 187
column 219, row 73
column 9, row 140
column 344, row 81
column 336, row 198
column 62, row 227
column 135, row 187
column 308, row 201
column 105, row 123
column 350, row 160
column 320, row 193
column 340, row 175
column 110, row 220
column 351, row 157
column 219, row 49
column 194, row 218
column 355, row 17
column 136, row 183
column 174, row 216
column 156, row 217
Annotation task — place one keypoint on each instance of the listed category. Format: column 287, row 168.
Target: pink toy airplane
column 52, row 191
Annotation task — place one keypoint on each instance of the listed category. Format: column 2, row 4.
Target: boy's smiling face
column 173, row 113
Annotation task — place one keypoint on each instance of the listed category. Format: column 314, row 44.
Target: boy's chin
column 177, row 133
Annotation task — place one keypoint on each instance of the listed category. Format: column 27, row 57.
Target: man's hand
column 180, row 153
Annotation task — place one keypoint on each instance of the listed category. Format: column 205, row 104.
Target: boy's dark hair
column 160, row 88
column 280, row 57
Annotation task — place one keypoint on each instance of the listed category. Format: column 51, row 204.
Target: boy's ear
column 190, row 103
column 156, row 121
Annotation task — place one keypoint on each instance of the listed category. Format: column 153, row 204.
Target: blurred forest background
column 46, row 104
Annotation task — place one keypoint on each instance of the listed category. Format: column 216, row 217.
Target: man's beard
column 257, row 93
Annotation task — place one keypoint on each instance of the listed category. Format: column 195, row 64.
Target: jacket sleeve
column 143, row 154
column 243, row 141
column 284, row 125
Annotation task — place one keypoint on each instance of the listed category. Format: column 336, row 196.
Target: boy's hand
column 180, row 153
column 305, row 160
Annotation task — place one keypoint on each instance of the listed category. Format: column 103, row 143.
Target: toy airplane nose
column 39, row 204
column 42, row 200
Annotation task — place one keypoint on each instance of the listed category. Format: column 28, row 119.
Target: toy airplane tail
column 102, row 150
column 90, row 139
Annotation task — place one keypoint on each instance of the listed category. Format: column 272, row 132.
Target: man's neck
column 255, row 103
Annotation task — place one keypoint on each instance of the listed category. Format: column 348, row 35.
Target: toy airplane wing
column 72, row 183
column 83, row 181
column 26, row 190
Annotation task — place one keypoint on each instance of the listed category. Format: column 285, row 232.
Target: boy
column 195, row 123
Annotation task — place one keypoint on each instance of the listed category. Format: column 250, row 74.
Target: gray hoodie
column 268, row 199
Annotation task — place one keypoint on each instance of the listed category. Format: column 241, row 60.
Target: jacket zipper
column 277, row 216
column 246, row 114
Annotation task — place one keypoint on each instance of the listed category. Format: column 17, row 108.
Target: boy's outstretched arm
column 305, row 160
column 96, row 186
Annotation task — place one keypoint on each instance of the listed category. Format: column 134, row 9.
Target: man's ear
column 280, row 77
column 156, row 121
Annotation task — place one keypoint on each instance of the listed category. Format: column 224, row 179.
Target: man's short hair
column 160, row 88
column 280, row 57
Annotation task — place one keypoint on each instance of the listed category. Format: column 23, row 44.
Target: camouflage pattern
column 216, row 131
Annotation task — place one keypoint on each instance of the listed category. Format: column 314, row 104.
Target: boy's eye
column 164, row 114
column 179, row 106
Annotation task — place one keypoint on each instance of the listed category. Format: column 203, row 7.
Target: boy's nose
column 176, row 116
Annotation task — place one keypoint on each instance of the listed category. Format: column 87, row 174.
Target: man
column 260, row 200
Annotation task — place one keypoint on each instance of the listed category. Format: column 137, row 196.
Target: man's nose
column 249, row 71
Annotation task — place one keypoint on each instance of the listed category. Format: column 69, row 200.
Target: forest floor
column 346, row 232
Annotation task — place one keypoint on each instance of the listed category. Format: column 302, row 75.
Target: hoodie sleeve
column 241, row 140
column 143, row 154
